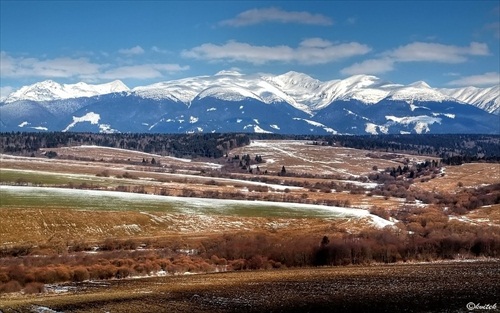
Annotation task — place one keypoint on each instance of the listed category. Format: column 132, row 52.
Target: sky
column 444, row 43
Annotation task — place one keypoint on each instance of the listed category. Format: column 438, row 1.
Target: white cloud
column 373, row 66
column 5, row 91
column 137, row 50
column 159, row 50
column 80, row 68
column 315, row 42
column 257, row 16
column 310, row 51
column 417, row 52
column 48, row 68
column 143, row 71
column 486, row 79
column 435, row 52
column 494, row 28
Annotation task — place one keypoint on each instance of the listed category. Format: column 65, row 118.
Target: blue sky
column 446, row 44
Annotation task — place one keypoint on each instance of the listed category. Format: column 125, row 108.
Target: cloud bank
column 309, row 51
column 276, row 15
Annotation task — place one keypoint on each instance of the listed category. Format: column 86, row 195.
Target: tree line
column 177, row 145
column 452, row 148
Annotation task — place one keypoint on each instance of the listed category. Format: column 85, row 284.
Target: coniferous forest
column 453, row 149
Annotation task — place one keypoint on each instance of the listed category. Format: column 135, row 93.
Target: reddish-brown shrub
column 102, row 272
column 17, row 273
column 11, row 286
column 45, row 275
column 238, row 264
column 80, row 273
column 123, row 272
column 256, row 262
column 34, row 287
column 3, row 277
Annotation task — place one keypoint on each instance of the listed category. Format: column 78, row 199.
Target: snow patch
column 40, row 128
column 316, row 124
column 448, row 115
column 413, row 107
column 106, row 129
column 258, row 129
column 374, row 129
column 421, row 122
column 23, row 124
column 91, row 117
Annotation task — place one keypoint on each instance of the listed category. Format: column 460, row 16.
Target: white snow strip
column 258, row 129
column 40, row 128
column 91, row 117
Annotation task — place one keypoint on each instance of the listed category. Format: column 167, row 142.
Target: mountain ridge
column 299, row 89
column 232, row 102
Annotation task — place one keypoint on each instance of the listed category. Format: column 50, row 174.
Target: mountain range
column 291, row 103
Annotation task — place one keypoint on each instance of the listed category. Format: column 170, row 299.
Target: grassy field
column 438, row 287
column 48, row 178
column 30, row 197
column 74, row 214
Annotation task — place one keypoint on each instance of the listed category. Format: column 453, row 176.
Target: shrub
column 80, row 274
column 104, row 173
column 17, row 273
column 11, row 286
column 123, row 272
column 238, row 264
column 34, row 287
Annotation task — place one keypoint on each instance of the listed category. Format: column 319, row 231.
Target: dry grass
column 486, row 215
column 53, row 226
column 464, row 176
column 297, row 156
column 303, row 157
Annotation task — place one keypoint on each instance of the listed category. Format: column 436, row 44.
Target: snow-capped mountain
column 232, row 102
column 484, row 98
column 49, row 90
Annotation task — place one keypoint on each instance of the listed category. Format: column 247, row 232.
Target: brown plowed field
column 437, row 287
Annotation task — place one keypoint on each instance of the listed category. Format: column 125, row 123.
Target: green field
column 41, row 197
column 9, row 176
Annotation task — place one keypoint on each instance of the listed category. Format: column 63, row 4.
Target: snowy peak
column 296, row 89
column 233, row 93
column 420, row 84
column 295, row 80
column 49, row 90
column 418, row 91
column 487, row 99
column 360, row 81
